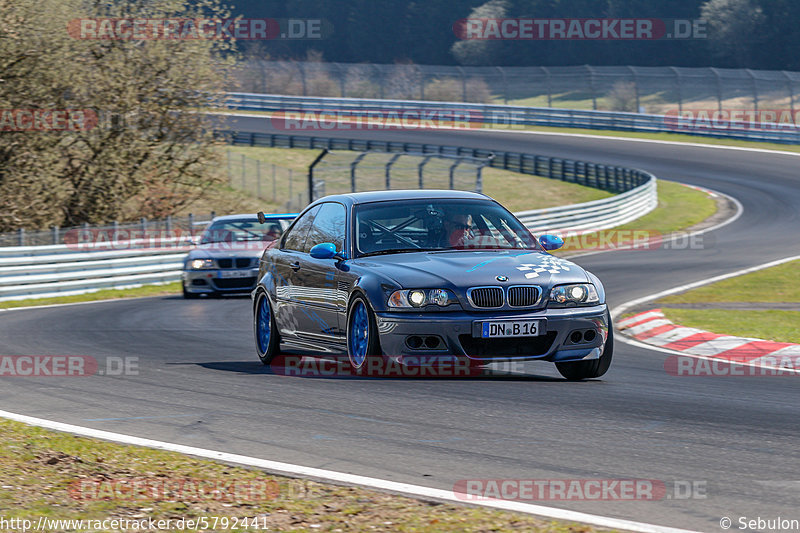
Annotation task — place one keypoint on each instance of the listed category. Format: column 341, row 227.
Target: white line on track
column 47, row 306
column 653, row 141
column 341, row 477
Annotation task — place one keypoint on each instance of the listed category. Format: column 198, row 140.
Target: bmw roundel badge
column 501, row 278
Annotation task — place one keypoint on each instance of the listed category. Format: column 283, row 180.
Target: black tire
column 266, row 350
column 358, row 365
column 595, row 368
column 190, row 295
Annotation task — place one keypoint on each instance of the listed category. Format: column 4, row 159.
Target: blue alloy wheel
column 358, row 336
column 264, row 327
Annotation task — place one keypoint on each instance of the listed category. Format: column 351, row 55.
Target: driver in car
column 458, row 230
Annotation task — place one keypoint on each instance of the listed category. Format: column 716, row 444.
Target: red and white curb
column 654, row 329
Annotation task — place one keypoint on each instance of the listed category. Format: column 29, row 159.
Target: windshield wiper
column 399, row 251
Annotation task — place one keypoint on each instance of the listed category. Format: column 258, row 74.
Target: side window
column 296, row 236
column 329, row 226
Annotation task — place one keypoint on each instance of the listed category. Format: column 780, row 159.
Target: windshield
column 242, row 231
column 425, row 225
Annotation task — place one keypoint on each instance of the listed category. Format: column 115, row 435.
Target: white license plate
column 226, row 274
column 511, row 328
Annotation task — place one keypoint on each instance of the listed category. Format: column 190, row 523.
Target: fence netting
column 655, row 90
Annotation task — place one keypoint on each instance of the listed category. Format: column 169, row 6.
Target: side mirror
column 551, row 242
column 324, row 250
column 261, row 217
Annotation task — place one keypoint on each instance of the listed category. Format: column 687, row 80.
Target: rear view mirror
column 551, row 242
column 323, row 250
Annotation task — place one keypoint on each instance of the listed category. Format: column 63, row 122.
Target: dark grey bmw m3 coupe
column 428, row 276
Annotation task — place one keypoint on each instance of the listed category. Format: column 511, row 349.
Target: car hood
column 460, row 269
column 228, row 249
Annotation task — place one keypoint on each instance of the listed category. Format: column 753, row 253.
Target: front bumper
column 458, row 335
column 210, row 282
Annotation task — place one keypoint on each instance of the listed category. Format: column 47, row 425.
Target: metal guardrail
column 63, row 270
column 118, row 231
column 593, row 216
column 505, row 116
column 60, row 270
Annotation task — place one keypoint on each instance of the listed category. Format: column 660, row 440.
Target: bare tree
column 149, row 154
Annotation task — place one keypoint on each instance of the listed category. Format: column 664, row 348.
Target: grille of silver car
column 486, row 297
column 238, row 262
column 523, row 296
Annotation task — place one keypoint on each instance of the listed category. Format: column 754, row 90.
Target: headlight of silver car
column 201, row 264
column 573, row 295
column 421, row 297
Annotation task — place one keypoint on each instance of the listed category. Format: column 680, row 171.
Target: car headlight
column 201, row 264
column 422, row 297
column 574, row 294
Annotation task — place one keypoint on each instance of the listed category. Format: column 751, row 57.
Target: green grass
column 106, row 294
column 297, row 159
column 38, row 467
column 776, row 284
column 521, row 192
column 772, row 325
column 566, row 101
column 679, row 208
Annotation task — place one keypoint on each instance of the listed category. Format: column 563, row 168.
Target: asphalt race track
column 200, row 383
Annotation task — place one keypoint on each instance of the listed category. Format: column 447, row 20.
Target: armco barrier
column 593, row 216
column 62, row 270
column 505, row 116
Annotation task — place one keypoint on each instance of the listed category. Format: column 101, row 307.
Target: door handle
column 295, row 266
